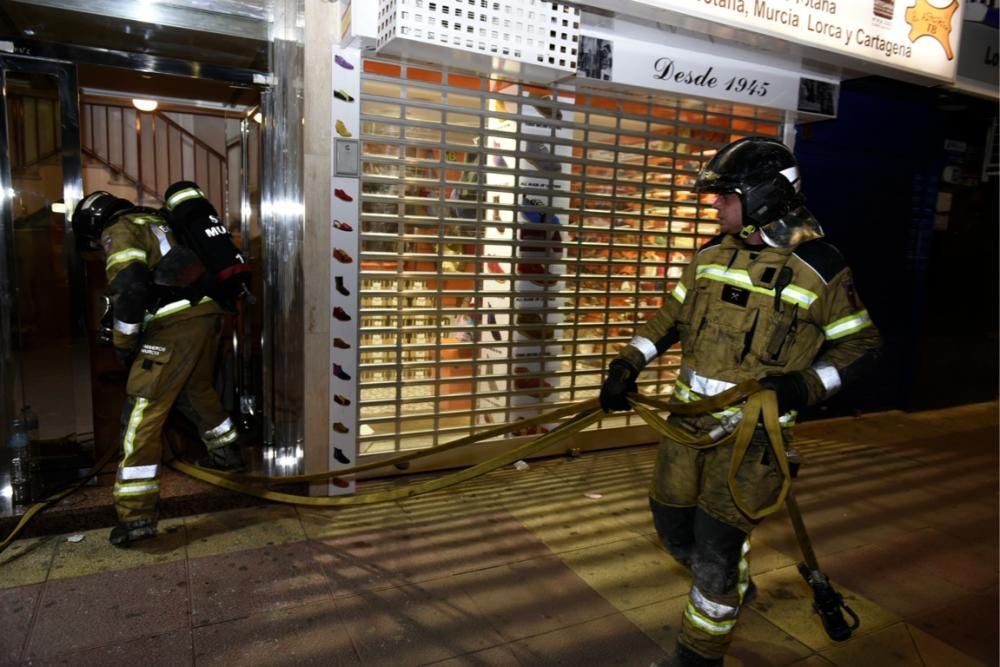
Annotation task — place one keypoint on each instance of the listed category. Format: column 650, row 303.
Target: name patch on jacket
column 735, row 295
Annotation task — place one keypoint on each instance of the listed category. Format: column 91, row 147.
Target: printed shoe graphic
column 342, row 226
column 342, row 129
column 340, row 457
column 343, row 62
column 340, row 428
column 341, row 344
column 341, row 287
column 342, row 95
column 342, row 256
column 342, row 195
column 540, row 156
column 341, row 400
column 341, row 314
column 339, row 373
column 499, row 161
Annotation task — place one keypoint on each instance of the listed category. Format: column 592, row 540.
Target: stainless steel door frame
column 66, row 77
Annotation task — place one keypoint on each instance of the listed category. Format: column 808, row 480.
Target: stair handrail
column 138, row 180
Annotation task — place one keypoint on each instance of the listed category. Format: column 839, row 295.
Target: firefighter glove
column 619, row 383
column 790, row 388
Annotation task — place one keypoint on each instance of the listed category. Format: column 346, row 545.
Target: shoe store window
column 512, row 236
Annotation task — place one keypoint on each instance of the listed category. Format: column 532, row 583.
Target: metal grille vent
column 530, row 31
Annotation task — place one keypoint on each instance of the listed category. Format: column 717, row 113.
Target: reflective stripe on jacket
column 742, row 313
column 144, row 237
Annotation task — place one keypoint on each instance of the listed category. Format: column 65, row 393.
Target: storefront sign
column 691, row 73
column 917, row 35
column 680, row 69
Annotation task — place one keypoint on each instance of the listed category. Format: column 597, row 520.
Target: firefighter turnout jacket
column 742, row 312
column 134, row 245
column 172, row 333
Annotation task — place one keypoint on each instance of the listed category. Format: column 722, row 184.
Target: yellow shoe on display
column 342, row 129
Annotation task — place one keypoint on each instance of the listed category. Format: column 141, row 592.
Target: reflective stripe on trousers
column 709, row 620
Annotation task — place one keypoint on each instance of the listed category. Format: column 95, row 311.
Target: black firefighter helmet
column 93, row 213
column 762, row 171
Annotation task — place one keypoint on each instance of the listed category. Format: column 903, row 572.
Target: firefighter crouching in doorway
column 166, row 332
column 765, row 300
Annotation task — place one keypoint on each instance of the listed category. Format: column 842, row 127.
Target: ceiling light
column 144, row 105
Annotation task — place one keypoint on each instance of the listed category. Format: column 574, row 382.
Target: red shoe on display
column 342, row 256
column 343, row 195
column 342, row 226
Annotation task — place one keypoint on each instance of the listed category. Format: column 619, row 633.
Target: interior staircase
column 144, row 152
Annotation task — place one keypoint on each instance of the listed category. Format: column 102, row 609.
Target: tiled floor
column 523, row 569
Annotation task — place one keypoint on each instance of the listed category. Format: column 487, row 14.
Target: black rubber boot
column 227, row 458
column 685, row 657
column 128, row 532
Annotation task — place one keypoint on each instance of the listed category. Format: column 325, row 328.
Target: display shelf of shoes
column 425, row 309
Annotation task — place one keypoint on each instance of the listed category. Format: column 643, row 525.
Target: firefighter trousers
column 175, row 365
column 700, row 525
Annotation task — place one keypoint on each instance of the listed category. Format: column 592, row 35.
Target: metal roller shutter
column 511, row 237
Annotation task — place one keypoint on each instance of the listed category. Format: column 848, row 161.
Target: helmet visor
column 792, row 229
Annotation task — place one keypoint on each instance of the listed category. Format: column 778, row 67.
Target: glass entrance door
column 44, row 360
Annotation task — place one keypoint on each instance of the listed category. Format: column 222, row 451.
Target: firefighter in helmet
column 166, row 333
column 769, row 300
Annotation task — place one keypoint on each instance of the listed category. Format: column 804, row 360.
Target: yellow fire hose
column 758, row 401
column 55, row 498
column 760, row 404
